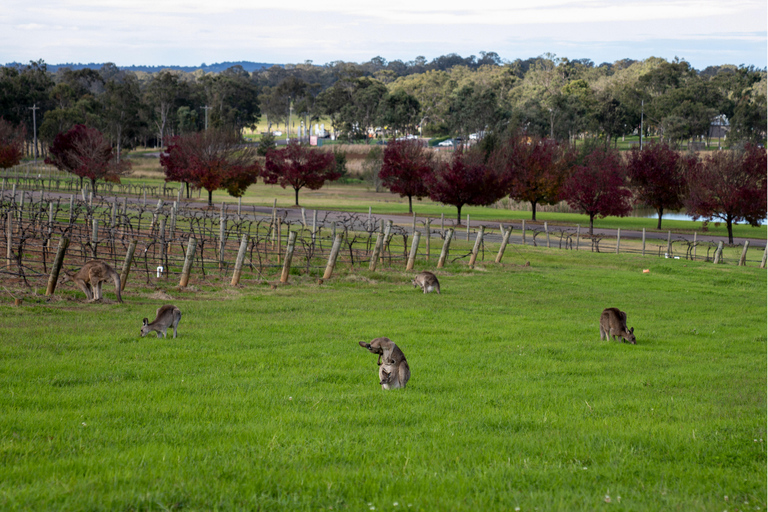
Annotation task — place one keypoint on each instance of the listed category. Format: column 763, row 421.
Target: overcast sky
column 191, row 32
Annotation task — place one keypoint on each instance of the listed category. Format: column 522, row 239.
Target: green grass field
column 266, row 402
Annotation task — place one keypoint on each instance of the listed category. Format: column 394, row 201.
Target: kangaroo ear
column 146, row 321
column 632, row 330
column 364, row 344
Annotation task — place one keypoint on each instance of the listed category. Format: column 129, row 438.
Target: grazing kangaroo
column 428, row 282
column 166, row 317
column 614, row 323
column 394, row 373
column 90, row 277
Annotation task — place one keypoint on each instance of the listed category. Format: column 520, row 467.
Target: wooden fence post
column 288, row 257
column 523, row 228
column 385, row 242
column 446, row 246
column 765, row 256
column 429, row 235
column 274, row 222
column 376, row 252
column 95, row 237
column 476, row 248
column 163, row 247
column 442, row 224
column 222, row 237
column 332, row 258
column 188, row 262
column 618, row 240
column 314, row 225
column 414, row 250
column 546, row 231
column 127, row 264
column 503, row 247
column 57, row 262
column 718, row 253
column 669, row 244
column 643, row 241
column 239, row 260
column 9, row 238
column 743, row 259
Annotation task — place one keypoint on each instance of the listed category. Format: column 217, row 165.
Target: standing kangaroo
column 614, row 323
column 394, row 373
column 428, row 282
column 166, row 317
column 90, row 277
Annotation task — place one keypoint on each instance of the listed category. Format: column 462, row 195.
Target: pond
column 679, row 215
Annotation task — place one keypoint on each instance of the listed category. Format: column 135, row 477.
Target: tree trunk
column 533, row 210
column 729, row 224
column 410, row 204
column 458, row 215
column 660, row 212
column 210, row 198
column 591, row 222
column 93, row 186
column 297, row 196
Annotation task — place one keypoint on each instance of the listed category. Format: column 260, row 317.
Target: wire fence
column 103, row 228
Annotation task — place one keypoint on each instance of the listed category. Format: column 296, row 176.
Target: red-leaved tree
column 300, row 166
column 731, row 186
column 406, row 169
column 86, row 153
column 466, row 179
column 596, row 186
column 213, row 159
column 11, row 144
column 658, row 175
column 534, row 168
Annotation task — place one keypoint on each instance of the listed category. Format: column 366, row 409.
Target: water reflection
column 681, row 215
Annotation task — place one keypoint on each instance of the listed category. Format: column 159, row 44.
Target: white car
column 446, row 143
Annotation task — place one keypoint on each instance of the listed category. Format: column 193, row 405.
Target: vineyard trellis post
column 57, row 262
column 288, row 256
column 239, row 260
column 504, row 241
column 127, row 264
column 476, row 247
column 188, row 262
column 618, row 240
column 743, row 259
column 446, row 246
column 414, row 250
column 332, row 257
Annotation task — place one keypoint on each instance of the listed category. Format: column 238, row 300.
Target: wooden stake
column 476, row 248
column 53, row 278
column 504, row 241
column 288, row 257
column 446, row 246
column 239, row 260
column 414, row 250
column 333, row 256
column 188, row 262
column 127, row 264
column 743, row 259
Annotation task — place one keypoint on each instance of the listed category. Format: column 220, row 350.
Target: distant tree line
column 545, row 96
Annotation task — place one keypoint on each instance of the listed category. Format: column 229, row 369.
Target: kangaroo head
column 631, row 336
column 386, row 377
column 64, row 277
column 145, row 327
column 374, row 347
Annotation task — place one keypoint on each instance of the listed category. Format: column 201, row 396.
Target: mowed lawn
column 265, row 401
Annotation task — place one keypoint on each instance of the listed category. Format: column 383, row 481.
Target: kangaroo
column 428, row 282
column 395, row 372
column 166, row 317
column 90, row 277
column 614, row 323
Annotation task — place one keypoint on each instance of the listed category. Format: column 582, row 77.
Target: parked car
column 446, row 143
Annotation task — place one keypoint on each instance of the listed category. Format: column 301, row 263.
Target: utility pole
column 642, row 113
column 206, row 108
column 34, row 108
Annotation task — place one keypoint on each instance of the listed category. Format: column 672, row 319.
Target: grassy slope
column 265, row 399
